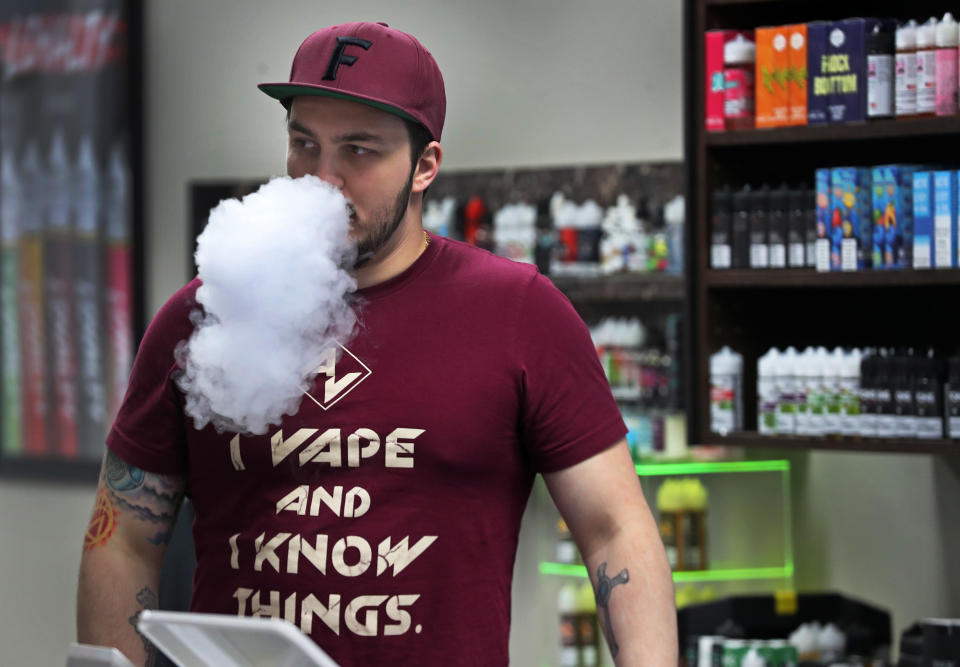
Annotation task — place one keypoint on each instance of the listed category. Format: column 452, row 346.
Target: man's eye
column 359, row 150
column 303, row 143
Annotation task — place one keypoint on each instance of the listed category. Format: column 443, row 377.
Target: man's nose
column 328, row 170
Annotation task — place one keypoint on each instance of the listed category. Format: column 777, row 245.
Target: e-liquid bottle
column 760, row 228
column 903, row 403
column 928, row 394
column 885, row 418
column 721, row 230
column 777, row 227
column 868, row 395
column 739, row 58
column 952, row 407
column 946, row 68
column 880, row 72
column 905, row 77
column 796, row 232
column 810, row 227
column 741, row 228
column 927, row 68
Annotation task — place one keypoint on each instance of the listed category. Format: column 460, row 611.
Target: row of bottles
column 65, row 295
column 563, row 237
column 872, row 393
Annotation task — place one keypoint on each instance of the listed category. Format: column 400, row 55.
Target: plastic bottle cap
column 881, row 41
column 947, row 32
column 907, row 35
column 927, row 34
column 739, row 51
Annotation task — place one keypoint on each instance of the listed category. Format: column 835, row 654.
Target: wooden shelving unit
column 753, row 310
column 643, row 287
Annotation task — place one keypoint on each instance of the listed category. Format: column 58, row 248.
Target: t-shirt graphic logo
column 342, row 376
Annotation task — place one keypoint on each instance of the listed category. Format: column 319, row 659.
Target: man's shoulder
column 476, row 266
column 174, row 317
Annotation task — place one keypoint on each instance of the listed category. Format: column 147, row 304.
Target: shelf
column 844, row 443
column 890, row 129
column 739, row 574
column 710, row 467
column 776, row 278
column 622, row 287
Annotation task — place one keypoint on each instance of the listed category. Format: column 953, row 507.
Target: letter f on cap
column 339, row 58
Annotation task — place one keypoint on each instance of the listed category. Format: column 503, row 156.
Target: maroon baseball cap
column 370, row 63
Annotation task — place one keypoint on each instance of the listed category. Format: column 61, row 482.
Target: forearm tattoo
column 147, row 600
column 604, row 587
column 130, row 490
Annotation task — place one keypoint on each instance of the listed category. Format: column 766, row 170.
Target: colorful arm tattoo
column 129, row 490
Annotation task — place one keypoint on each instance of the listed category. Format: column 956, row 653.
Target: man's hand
column 603, row 504
column 123, row 550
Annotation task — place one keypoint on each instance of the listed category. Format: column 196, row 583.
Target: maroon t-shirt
column 382, row 518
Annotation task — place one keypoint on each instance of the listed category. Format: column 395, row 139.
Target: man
column 382, row 519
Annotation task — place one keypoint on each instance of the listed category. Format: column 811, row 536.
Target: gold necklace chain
column 426, row 240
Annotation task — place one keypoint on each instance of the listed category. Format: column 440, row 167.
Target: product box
column 845, row 70
column 945, row 219
column 822, row 248
column 817, row 83
column 893, row 216
column 851, row 224
column 713, row 102
column 773, row 109
column 922, row 220
column 797, row 73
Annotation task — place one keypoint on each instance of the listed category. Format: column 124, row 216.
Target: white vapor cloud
column 274, row 297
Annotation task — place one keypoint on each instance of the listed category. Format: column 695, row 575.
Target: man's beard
column 383, row 225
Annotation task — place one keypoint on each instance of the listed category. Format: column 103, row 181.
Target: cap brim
column 283, row 91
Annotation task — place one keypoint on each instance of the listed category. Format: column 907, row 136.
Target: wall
column 533, row 82
column 882, row 528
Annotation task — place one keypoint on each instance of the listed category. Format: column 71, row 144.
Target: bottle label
column 880, row 86
column 787, row 408
column 905, row 426
column 927, row 81
column 946, row 82
column 778, row 256
column 929, row 427
column 848, row 255
column 721, row 405
column 886, row 426
column 823, row 255
column 906, row 84
column 738, row 93
column 953, row 424
column 720, row 256
column 759, row 256
column 797, row 252
column 850, row 419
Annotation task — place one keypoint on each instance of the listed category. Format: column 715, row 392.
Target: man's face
column 361, row 150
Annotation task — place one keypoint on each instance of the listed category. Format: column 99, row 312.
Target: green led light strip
column 740, row 574
column 702, row 468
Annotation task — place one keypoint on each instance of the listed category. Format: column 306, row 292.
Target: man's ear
column 427, row 167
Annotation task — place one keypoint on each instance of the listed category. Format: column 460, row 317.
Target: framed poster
column 70, row 238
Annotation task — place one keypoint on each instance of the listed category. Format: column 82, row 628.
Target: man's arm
column 123, row 551
column 603, row 504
